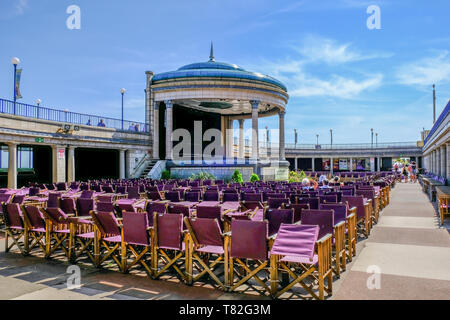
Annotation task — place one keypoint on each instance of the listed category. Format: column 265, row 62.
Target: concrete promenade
column 406, row 246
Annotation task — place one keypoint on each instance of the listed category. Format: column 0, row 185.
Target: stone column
column 281, row 128
column 313, row 167
column 443, row 161
column 447, row 156
column 122, row 164
column 331, row 165
column 241, row 139
column 149, row 103
column 169, row 128
column 295, row 164
column 12, row 165
column 71, row 164
column 229, row 142
column 351, row 165
column 255, row 104
column 379, row 164
column 156, row 130
column 59, row 163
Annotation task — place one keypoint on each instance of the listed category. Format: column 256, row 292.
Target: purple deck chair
column 295, row 244
column 36, row 222
column 110, row 237
column 211, row 196
column 276, row 217
column 87, row 194
column 154, row 195
column 249, row 240
column 211, row 212
column 370, row 194
column 105, row 207
column 313, row 202
column 173, row 196
column 121, row 189
column 192, row 196
column 208, row 242
column 252, row 197
column 170, row 245
column 133, row 193
column 328, row 198
column 57, row 230
column 136, row 238
column 151, row 207
column 322, row 218
column 362, row 213
column 84, row 206
column 68, row 206
column 61, row 186
column 275, row 203
column 53, row 200
column 230, row 197
column 19, row 199
column 15, row 228
column 339, row 211
column 298, row 208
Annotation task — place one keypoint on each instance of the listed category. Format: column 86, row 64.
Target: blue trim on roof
column 217, row 86
column 438, row 122
column 216, row 70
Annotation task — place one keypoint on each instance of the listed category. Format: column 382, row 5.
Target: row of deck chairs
column 276, row 247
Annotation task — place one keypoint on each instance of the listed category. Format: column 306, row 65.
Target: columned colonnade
column 58, row 157
column 227, row 125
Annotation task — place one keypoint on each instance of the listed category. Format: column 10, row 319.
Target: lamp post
column 376, row 140
column 122, row 91
column 15, row 61
column 331, row 138
column 38, row 102
column 317, row 138
column 295, row 137
column 371, row 132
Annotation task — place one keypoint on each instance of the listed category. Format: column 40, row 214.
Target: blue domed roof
column 216, row 69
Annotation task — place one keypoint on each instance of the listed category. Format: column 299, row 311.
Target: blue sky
column 339, row 74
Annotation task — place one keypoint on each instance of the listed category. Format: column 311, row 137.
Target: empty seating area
column 271, row 238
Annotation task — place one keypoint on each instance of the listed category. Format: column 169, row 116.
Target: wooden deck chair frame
column 339, row 256
column 205, row 268
column 320, row 273
column 15, row 235
column 248, row 273
column 351, row 234
column 99, row 243
column 165, row 255
column 81, row 245
column 139, row 256
column 35, row 238
column 61, row 240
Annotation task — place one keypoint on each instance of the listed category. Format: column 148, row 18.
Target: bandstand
column 214, row 94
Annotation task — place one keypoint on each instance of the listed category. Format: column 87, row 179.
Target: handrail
column 38, row 112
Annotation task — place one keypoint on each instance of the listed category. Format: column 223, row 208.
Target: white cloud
column 318, row 49
column 20, row 6
column 337, row 86
column 426, row 71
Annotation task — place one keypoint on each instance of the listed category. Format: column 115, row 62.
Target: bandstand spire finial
column 211, row 53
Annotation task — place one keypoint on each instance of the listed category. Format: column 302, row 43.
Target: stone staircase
column 148, row 167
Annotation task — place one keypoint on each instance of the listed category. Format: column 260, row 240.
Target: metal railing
column 38, row 112
column 353, row 146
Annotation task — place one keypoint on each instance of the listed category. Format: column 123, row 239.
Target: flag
column 17, row 84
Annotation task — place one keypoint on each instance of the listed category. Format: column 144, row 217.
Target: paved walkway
column 407, row 247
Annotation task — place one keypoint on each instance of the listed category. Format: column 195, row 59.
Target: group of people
column 408, row 171
column 101, row 123
column 321, row 184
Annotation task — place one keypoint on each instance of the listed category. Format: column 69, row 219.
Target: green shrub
column 296, row 177
column 202, row 175
column 237, row 177
column 254, row 177
column 165, row 175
